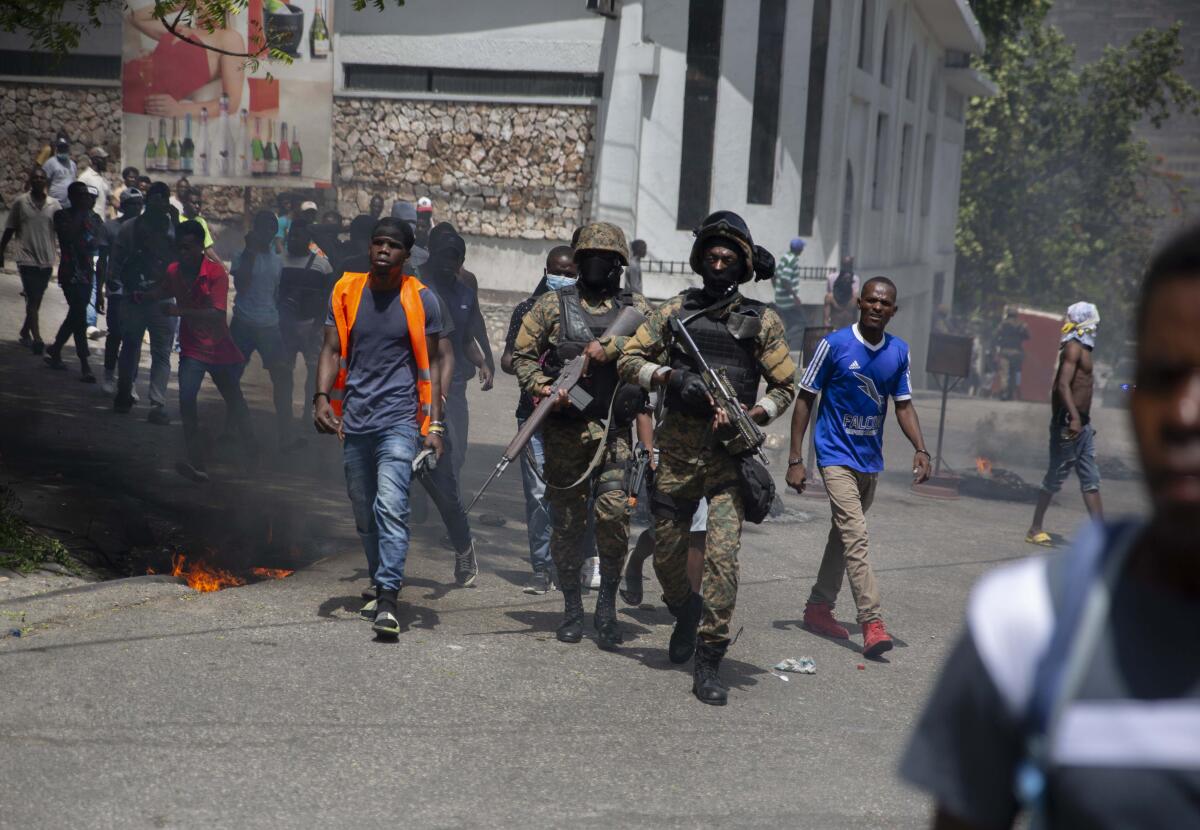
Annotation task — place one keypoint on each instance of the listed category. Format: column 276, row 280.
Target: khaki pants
column 850, row 496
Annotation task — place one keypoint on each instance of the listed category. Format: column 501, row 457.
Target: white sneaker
column 109, row 386
column 133, row 394
column 589, row 575
column 93, row 333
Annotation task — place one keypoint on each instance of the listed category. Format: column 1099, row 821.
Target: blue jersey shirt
column 855, row 380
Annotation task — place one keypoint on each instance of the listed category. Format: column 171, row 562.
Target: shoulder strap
column 312, row 257
column 1091, row 569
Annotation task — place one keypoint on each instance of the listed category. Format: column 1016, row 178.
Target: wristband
column 792, row 462
column 925, row 453
column 324, row 395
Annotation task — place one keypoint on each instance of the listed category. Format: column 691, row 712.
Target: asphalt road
column 144, row 704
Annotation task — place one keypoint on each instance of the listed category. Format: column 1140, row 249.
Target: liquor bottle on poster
column 173, row 147
column 187, row 150
column 203, row 166
column 224, row 140
column 270, row 151
column 148, row 161
column 318, row 35
column 258, row 164
column 243, row 144
column 285, row 153
column 297, row 156
column 160, row 149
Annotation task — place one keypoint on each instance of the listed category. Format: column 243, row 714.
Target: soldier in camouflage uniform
column 560, row 325
column 745, row 340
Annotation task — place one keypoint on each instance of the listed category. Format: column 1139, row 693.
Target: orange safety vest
column 347, row 294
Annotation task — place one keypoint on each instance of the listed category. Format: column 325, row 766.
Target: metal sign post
column 949, row 357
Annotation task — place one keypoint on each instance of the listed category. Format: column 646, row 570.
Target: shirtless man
column 1072, row 439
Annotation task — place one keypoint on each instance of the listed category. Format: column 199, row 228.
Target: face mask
column 720, row 284
column 599, row 273
column 63, row 157
column 556, row 281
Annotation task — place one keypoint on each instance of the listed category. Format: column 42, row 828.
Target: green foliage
column 1059, row 198
column 55, row 26
column 23, row 549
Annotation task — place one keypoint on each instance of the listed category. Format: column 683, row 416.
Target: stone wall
column 31, row 114
column 499, row 170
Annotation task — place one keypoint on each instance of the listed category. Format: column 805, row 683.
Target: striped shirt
column 787, row 280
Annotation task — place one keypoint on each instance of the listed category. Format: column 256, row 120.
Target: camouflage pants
column 569, row 447
column 685, row 479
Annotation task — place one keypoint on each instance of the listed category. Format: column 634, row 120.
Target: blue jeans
column 1066, row 454
column 136, row 320
column 537, row 507
column 378, row 474
column 227, row 378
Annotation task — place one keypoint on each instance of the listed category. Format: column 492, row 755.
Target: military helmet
column 727, row 224
column 603, row 236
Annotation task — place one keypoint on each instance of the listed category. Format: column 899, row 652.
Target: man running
column 857, row 369
column 1072, row 439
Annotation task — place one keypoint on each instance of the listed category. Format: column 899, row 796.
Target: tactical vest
column 727, row 344
column 576, row 328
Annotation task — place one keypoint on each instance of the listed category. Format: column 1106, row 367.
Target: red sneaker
column 818, row 618
column 876, row 640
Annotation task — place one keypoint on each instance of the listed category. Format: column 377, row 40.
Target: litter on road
column 803, row 665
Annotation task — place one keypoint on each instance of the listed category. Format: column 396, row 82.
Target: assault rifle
column 742, row 435
column 627, row 323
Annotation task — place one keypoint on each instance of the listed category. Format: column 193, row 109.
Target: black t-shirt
column 1126, row 752
column 525, row 404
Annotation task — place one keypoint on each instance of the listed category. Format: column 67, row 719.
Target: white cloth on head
column 1083, row 319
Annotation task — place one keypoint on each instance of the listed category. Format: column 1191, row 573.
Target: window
column 933, row 92
column 866, row 34
column 954, row 105
column 699, row 110
column 45, row 65
column 927, row 175
column 810, row 165
column 387, row 78
column 764, row 124
column 879, row 174
column 887, row 57
column 910, row 79
column 905, row 168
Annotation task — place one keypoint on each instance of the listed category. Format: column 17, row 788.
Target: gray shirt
column 61, row 176
column 34, row 230
column 1126, row 751
column 256, row 277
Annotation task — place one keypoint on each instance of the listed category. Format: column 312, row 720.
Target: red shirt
column 206, row 340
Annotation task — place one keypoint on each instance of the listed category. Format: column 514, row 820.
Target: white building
column 840, row 121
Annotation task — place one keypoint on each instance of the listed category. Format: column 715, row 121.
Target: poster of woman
column 195, row 104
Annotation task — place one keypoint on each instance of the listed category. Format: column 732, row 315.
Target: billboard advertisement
column 195, row 106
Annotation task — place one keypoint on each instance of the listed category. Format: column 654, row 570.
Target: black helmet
column 728, row 225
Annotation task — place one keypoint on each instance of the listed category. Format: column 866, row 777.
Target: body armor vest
column 727, row 344
column 576, row 328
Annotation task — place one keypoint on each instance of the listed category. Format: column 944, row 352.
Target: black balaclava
column 446, row 256
column 599, row 271
column 720, row 284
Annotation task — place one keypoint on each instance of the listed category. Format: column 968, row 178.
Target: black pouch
column 756, row 486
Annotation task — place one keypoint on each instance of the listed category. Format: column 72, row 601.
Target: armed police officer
column 588, row 452
column 743, row 341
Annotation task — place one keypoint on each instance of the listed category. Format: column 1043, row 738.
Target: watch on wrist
column 320, row 395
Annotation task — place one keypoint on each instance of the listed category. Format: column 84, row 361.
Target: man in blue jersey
column 857, row 369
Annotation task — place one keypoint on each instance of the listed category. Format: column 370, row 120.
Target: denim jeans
column 92, row 314
column 267, row 341
column 1078, row 454
column 136, row 320
column 227, row 377
column 303, row 337
column 378, row 474
column 538, row 520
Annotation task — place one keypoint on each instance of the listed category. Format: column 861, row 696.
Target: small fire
column 983, row 466
column 272, row 573
column 203, row 577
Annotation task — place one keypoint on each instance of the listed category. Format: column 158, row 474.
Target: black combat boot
column 687, row 618
column 571, row 630
column 706, row 683
column 608, row 632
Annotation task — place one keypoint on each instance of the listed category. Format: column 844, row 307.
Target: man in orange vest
column 378, row 391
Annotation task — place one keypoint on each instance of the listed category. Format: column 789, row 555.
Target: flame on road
column 272, row 573
column 201, row 576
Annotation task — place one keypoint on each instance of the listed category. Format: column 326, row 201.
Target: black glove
column 764, row 263
column 689, row 388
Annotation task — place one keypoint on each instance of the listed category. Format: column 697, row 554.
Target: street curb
column 92, row 587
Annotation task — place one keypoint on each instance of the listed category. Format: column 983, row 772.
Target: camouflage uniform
column 570, row 443
column 694, row 465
